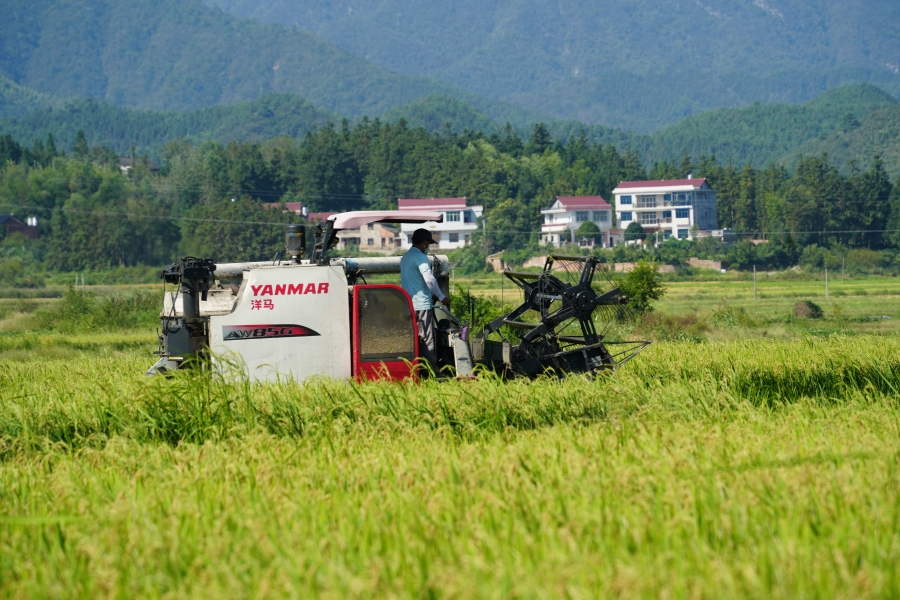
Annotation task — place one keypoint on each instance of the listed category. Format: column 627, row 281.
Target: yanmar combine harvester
column 300, row 318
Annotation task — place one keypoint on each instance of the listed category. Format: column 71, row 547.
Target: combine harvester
column 298, row 318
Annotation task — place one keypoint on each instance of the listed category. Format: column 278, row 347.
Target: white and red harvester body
column 299, row 318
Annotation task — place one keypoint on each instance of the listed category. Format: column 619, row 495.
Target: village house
column 296, row 208
column 680, row 208
column 13, row 225
column 460, row 221
column 379, row 238
column 126, row 164
column 560, row 222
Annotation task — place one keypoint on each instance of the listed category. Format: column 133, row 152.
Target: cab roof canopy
column 355, row 220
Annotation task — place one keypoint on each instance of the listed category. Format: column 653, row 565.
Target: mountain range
column 747, row 81
column 639, row 64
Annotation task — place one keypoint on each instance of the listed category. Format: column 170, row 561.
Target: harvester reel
column 557, row 323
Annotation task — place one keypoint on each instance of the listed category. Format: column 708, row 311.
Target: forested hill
column 182, row 55
column 271, row 116
column 16, row 100
column 762, row 133
column 639, row 64
column 850, row 123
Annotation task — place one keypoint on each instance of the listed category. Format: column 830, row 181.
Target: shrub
column 806, row 309
column 15, row 274
column 634, row 231
column 641, row 286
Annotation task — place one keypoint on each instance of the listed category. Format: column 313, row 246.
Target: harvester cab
column 300, row 318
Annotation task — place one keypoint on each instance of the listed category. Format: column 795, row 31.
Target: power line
column 489, row 231
column 146, row 216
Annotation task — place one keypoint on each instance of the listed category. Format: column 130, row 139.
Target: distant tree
column 539, row 141
column 892, row 237
column 236, row 230
column 870, row 194
column 80, row 149
column 634, row 231
column 511, row 143
column 10, row 150
column 588, row 231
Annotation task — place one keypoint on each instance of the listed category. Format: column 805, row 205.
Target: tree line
column 209, row 199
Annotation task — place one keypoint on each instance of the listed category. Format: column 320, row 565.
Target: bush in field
column 464, row 305
column 806, row 309
column 730, row 316
column 642, row 286
column 15, row 274
column 83, row 312
column 680, row 328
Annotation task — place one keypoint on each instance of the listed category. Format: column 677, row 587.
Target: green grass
column 760, row 468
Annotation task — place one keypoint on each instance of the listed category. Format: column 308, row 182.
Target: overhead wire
column 131, row 215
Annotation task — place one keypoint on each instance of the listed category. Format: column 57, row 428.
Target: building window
column 682, row 234
column 454, row 238
column 581, row 216
column 682, row 200
column 667, row 214
column 549, row 218
column 371, row 226
column 624, row 199
column 667, row 197
column 467, row 240
column 370, row 242
column 469, row 216
column 626, row 216
column 383, row 242
column 648, row 218
column 648, row 201
column 453, row 216
column 601, row 216
column 682, row 213
column 667, row 234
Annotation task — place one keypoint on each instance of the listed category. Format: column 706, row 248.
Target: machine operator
column 419, row 282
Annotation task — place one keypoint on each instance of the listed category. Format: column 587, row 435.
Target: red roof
column 663, row 183
column 319, row 216
column 431, row 203
column 572, row 202
column 294, row 207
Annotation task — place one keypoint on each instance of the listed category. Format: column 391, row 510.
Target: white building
column 460, row 221
column 667, row 208
column 567, row 213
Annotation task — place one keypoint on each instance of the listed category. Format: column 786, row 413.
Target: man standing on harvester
column 419, row 282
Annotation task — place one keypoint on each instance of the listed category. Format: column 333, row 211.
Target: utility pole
column 754, row 282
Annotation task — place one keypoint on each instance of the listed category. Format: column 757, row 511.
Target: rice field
column 752, row 468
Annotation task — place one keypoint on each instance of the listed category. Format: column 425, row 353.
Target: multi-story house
column 460, row 221
column 667, row 208
column 562, row 220
column 374, row 237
